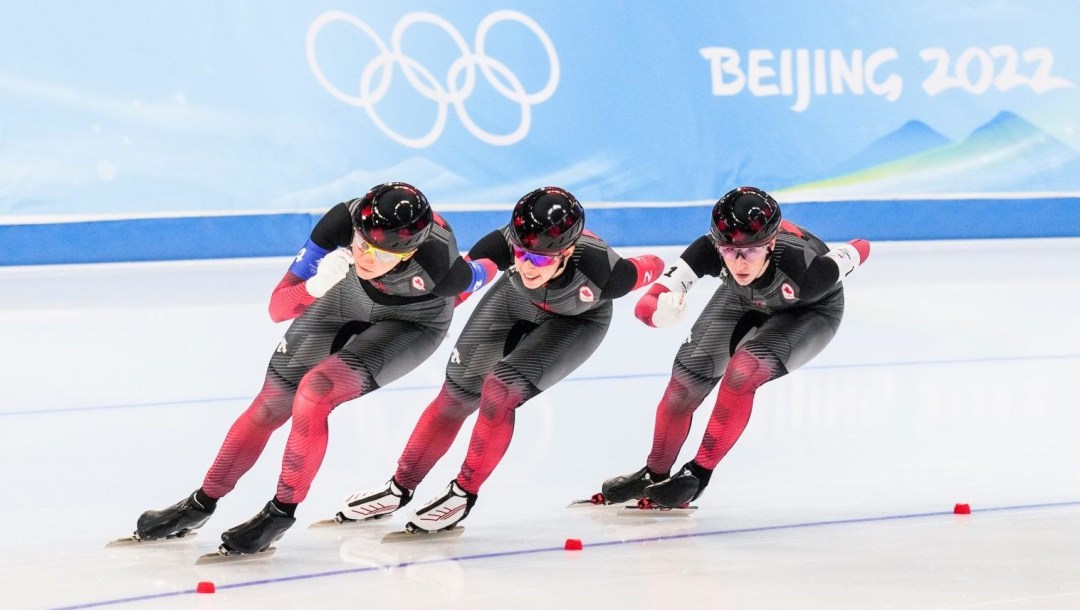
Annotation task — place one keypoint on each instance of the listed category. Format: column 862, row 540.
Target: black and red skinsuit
column 518, row 343
column 360, row 335
column 745, row 337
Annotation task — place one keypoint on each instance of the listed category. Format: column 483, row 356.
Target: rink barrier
column 282, row 234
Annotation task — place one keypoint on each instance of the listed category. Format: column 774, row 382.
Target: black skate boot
column 259, row 532
column 681, row 489
column 617, row 490
column 173, row 522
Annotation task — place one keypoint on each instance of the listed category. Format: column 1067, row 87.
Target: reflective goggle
column 751, row 253
column 538, row 260
column 380, row 255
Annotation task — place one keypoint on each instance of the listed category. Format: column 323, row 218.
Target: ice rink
column 952, row 380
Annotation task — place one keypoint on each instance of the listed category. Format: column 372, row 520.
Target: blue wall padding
column 155, row 239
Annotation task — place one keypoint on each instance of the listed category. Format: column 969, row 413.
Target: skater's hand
column 670, row 307
column 849, row 256
column 660, row 307
column 862, row 247
column 332, row 269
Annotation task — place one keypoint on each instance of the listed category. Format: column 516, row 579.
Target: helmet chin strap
column 765, row 267
column 562, row 263
column 558, row 272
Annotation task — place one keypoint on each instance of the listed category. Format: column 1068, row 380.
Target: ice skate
column 223, row 555
column 370, row 504
column 681, row 489
column 253, row 537
column 411, row 533
column 596, row 499
column 176, row 521
column 439, row 517
column 647, row 507
column 618, row 490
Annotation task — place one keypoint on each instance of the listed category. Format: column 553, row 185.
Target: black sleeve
column 493, row 246
column 621, row 280
column 821, row 275
column 456, row 280
column 433, row 256
column 334, row 230
column 815, row 278
column 703, row 258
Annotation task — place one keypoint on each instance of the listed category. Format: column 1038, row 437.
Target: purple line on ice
column 560, row 548
column 567, row 380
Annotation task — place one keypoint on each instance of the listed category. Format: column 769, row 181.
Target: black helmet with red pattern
column 547, row 221
column 745, row 217
column 395, row 217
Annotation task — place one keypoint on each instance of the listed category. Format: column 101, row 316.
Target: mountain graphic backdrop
column 1007, row 154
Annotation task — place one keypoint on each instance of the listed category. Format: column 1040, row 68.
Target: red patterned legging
column 745, row 373
column 327, row 385
column 503, row 391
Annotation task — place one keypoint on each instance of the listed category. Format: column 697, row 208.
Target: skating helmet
column 745, row 217
column 394, row 216
column 547, row 221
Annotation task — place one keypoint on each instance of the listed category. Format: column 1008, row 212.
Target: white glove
column 332, row 269
column 849, row 256
column 670, row 307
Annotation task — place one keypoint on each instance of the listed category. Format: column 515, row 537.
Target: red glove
column 660, row 307
column 862, row 247
column 648, row 268
column 849, row 256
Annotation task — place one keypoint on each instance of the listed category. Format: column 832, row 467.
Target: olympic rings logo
column 377, row 75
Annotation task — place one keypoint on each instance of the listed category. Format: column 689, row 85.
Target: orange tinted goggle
column 380, row 255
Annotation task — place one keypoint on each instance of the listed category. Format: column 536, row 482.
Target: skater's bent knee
column 505, row 386
column 747, row 372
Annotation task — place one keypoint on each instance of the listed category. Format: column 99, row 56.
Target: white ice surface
column 953, row 379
